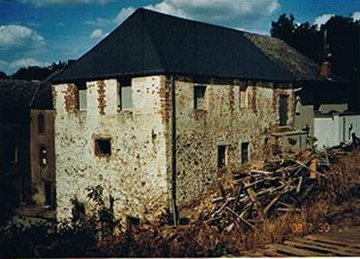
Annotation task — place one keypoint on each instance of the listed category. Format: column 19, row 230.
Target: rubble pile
column 281, row 185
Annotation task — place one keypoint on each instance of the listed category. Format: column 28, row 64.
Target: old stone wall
column 228, row 117
column 135, row 173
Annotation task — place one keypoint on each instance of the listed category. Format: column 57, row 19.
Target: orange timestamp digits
column 303, row 227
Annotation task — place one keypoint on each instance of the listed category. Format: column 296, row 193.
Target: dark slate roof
column 152, row 43
column 324, row 93
column 18, row 94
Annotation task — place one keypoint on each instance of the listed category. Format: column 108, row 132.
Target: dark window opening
column 199, row 94
column 42, row 156
column 41, row 123
column 49, row 195
column 283, row 110
column 14, row 154
column 222, row 156
column 77, row 210
column 124, row 100
column 103, row 147
column 244, row 152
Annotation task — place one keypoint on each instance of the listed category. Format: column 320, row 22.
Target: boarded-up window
column 283, row 110
column 103, row 147
column 41, row 123
column 243, row 97
column 82, row 99
column 199, row 94
column 82, row 95
column 124, row 100
column 222, row 156
column 244, row 152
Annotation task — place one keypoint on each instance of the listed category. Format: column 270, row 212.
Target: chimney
column 325, row 70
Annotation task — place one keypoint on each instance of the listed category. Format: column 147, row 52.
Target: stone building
column 162, row 106
column 27, row 168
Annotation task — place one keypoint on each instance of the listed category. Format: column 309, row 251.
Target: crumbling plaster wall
column 222, row 121
column 135, row 173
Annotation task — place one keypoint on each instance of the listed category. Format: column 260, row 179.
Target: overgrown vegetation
column 335, row 204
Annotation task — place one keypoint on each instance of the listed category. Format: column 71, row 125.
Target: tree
column 3, row 75
column 343, row 40
column 342, row 46
column 38, row 73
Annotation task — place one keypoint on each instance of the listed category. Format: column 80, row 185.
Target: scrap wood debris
column 281, row 185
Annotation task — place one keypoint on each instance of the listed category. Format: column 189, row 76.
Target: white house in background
column 334, row 129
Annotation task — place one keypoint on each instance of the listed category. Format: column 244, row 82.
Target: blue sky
column 39, row 32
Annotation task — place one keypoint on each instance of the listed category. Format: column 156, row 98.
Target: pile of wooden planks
column 282, row 185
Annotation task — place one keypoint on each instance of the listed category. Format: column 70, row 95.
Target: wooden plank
column 333, row 240
column 328, row 245
column 294, row 251
column 340, row 236
column 321, row 249
column 272, row 253
column 350, row 235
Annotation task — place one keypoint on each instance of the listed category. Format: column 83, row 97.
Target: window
column 124, row 93
column 82, row 96
column 222, row 156
column 14, row 154
column 42, row 156
column 199, row 94
column 103, row 147
column 41, row 123
column 49, row 197
column 283, row 110
column 244, row 152
column 243, row 97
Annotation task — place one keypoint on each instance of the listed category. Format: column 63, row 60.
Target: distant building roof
column 19, row 94
column 152, row 43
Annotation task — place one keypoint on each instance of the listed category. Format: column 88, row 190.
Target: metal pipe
column 173, row 152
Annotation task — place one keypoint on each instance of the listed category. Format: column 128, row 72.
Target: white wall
column 135, row 172
column 332, row 131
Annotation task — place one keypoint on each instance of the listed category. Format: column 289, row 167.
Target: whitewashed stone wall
column 135, row 173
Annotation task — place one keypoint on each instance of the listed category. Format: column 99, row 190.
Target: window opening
column 283, row 110
column 42, row 156
column 199, row 94
column 82, row 96
column 14, row 154
column 41, row 123
column 124, row 100
column 103, row 147
column 244, row 152
column 222, row 156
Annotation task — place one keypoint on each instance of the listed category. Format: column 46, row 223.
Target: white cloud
column 63, row 2
column 233, row 13
column 356, row 16
column 322, row 19
column 97, row 34
column 99, row 22
column 123, row 14
column 17, row 37
column 26, row 62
